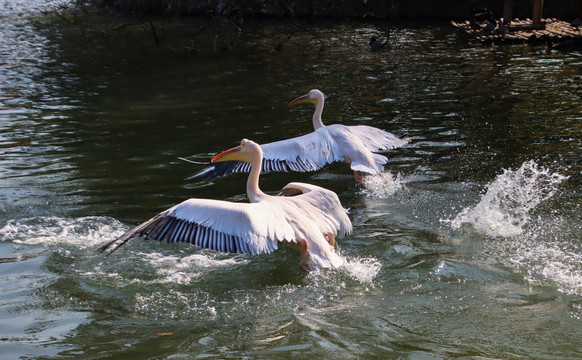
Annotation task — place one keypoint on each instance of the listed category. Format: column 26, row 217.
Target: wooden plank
column 569, row 30
column 523, row 31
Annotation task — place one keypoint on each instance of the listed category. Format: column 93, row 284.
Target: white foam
column 549, row 252
column 81, row 232
column 541, row 247
column 384, row 184
column 505, row 207
column 362, row 269
column 185, row 269
column 550, row 262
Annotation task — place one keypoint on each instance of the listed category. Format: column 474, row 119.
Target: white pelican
column 354, row 145
column 308, row 219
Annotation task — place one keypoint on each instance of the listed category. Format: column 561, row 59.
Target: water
column 468, row 246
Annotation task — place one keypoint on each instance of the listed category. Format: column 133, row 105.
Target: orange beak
column 302, row 99
column 228, row 155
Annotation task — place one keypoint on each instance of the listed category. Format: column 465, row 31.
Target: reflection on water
column 467, row 246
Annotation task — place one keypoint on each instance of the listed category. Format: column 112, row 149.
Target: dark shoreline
column 397, row 10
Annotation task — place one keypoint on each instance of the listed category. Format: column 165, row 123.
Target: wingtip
column 120, row 241
column 404, row 137
column 206, row 170
column 103, row 249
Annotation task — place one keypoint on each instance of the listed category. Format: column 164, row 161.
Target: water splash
column 80, row 234
column 505, row 207
column 548, row 253
column 174, row 304
column 363, row 270
column 552, row 262
column 384, row 184
column 545, row 249
column 186, row 269
column 84, row 232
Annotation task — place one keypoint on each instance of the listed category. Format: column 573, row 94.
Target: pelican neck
column 253, row 191
column 317, row 122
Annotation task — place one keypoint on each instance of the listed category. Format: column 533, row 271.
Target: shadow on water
column 91, row 130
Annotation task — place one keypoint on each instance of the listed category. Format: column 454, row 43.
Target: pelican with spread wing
column 306, row 217
column 356, row 145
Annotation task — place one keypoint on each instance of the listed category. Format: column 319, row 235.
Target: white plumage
column 257, row 227
column 355, row 145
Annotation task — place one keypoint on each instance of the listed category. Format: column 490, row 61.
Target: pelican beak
column 303, row 99
column 233, row 154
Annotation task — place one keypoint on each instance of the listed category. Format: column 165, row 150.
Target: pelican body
column 308, row 219
column 355, row 145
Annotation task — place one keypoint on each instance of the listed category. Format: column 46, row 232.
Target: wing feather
column 313, row 151
column 305, row 153
column 252, row 228
column 358, row 145
column 322, row 205
column 314, row 212
column 377, row 139
column 218, row 225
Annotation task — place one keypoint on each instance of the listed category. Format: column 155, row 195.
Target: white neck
column 317, row 123
column 253, row 192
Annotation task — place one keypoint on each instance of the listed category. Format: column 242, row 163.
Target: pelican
column 354, row 145
column 307, row 218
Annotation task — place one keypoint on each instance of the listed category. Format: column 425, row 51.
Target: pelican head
column 314, row 96
column 250, row 152
column 247, row 151
column 317, row 98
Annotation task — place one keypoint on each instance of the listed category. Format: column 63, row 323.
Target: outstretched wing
column 305, row 153
column 313, row 151
column 359, row 144
column 377, row 139
column 217, row 225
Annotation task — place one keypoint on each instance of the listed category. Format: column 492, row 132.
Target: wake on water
column 504, row 211
column 85, row 232
column 88, row 233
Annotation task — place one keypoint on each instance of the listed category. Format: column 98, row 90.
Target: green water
column 468, row 247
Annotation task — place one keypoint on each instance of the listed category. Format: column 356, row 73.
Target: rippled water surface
column 468, row 246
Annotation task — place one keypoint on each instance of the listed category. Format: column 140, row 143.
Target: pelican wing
column 217, row 225
column 322, row 206
column 305, row 153
column 359, row 143
column 316, row 212
column 220, row 169
column 313, row 151
column 377, row 139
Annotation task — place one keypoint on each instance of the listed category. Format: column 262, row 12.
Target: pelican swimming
column 355, row 145
column 308, row 219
